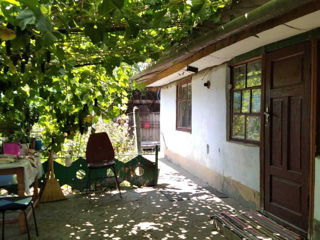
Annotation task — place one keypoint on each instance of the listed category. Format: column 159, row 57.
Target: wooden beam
column 225, row 40
column 145, row 101
column 313, row 130
column 262, row 134
column 137, row 133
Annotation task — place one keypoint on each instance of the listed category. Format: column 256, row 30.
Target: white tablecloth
column 32, row 168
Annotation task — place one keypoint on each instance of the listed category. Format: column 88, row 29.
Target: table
column 27, row 174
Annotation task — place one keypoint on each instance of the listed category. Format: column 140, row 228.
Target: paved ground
column 178, row 208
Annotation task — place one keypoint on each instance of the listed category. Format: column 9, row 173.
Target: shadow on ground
column 180, row 207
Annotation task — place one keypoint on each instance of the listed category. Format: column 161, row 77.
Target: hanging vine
column 64, row 63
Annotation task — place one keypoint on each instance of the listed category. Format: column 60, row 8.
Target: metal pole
column 136, row 120
column 157, row 156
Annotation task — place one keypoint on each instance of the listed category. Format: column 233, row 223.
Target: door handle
column 267, row 115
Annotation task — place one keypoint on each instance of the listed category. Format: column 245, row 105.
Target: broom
column 52, row 190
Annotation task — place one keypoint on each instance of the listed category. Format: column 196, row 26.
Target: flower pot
column 11, row 148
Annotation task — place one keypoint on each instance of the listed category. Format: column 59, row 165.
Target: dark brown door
column 287, row 133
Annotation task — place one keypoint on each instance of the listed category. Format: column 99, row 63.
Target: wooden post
column 313, row 130
column 157, row 155
column 136, row 120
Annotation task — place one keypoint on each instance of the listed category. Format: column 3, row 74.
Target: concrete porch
column 180, row 207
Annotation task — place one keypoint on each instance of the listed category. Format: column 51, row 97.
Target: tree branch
column 88, row 64
column 78, row 30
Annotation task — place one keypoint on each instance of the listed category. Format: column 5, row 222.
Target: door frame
column 313, row 124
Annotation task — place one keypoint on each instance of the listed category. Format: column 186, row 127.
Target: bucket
column 11, row 148
column 38, row 145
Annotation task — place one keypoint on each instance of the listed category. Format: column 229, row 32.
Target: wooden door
column 287, row 134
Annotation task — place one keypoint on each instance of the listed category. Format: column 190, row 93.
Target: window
column 246, row 102
column 184, row 105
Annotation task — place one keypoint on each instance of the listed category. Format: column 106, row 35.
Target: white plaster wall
column 235, row 160
column 317, row 190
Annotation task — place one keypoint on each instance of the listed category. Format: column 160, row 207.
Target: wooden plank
column 262, row 132
column 318, row 103
column 136, row 119
column 313, row 128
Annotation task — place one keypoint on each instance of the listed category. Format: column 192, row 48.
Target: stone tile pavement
column 180, row 207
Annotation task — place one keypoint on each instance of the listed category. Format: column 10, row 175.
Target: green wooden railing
column 139, row 171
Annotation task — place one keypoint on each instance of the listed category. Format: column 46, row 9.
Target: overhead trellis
column 64, row 63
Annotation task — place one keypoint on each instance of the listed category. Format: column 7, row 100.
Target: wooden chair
column 14, row 204
column 100, row 154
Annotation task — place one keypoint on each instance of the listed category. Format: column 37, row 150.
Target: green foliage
column 119, row 134
column 69, row 61
column 78, row 100
column 122, row 141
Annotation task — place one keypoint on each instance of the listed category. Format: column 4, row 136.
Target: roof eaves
column 209, row 42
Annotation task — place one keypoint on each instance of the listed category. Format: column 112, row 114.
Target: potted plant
column 17, row 140
column 13, row 135
column 16, row 124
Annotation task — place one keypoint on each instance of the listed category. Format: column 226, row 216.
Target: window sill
column 187, row 130
column 247, row 144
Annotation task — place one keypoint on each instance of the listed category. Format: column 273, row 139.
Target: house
column 240, row 109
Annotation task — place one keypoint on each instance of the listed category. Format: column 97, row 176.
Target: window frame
column 250, row 113
column 188, row 81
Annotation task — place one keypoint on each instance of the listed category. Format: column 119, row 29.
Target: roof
column 247, row 25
